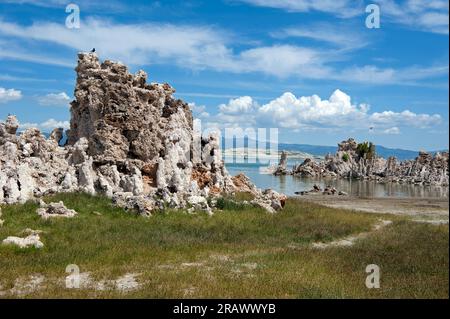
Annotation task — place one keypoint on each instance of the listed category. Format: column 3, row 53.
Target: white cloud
column 187, row 46
column 7, row 95
column 292, row 112
column 54, row 99
column 237, row 112
column 131, row 43
column 339, row 36
column 52, row 123
column 392, row 131
column 13, row 78
column 244, row 104
column 41, row 3
column 424, row 15
column 196, row 108
column 344, row 8
column 199, row 48
column 199, row 111
column 31, row 57
column 86, row 4
column 314, row 113
column 46, row 126
column 374, row 75
column 279, row 60
column 405, row 118
column 211, row 95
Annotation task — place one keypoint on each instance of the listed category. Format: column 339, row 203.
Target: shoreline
column 428, row 207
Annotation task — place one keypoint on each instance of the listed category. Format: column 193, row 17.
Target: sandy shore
column 433, row 209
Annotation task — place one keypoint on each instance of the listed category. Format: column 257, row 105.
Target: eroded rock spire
column 128, row 139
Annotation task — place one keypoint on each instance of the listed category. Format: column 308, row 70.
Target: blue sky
column 311, row 68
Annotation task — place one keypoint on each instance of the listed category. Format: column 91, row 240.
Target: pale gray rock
column 32, row 240
column 127, row 200
column 105, row 187
column 86, row 177
column 268, row 199
column 11, row 192
column 27, row 183
column 78, row 153
column 3, row 179
column 69, row 182
column 133, row 183
column 199, row 203
column 282, row 165
column 11, row 125
column 57, row 135
column 53, row 210
column 9, row 151
column 307, row 169
column 27, row 149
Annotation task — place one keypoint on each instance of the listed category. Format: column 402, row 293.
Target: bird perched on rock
column 93, row 50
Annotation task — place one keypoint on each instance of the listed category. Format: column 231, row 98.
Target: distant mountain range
column 323, row 150
column 320, row 150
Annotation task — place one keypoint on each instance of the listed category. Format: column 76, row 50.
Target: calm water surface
column 291, row 184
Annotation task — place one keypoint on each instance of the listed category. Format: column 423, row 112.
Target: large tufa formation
column 349, row 163
column 129, row 140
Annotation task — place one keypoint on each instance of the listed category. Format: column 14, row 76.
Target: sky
column 312, row 69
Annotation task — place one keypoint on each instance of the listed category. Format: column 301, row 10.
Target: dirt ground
column 421, row 209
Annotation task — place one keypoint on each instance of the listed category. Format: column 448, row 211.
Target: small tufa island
column 359, row 161
column 129, row 140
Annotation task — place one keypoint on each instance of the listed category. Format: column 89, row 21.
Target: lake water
column 291, row 184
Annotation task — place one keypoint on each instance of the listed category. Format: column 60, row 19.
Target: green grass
column 239, row 252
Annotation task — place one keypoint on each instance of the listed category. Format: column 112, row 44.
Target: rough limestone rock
column 129, row 140
column 282, row 165
column 346, row 163
column 268, row 199
column 309, row 168
column 32, row 240
column 53, row 210
column 199, row 203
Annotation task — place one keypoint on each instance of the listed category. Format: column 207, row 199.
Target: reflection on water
column 291, row 184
